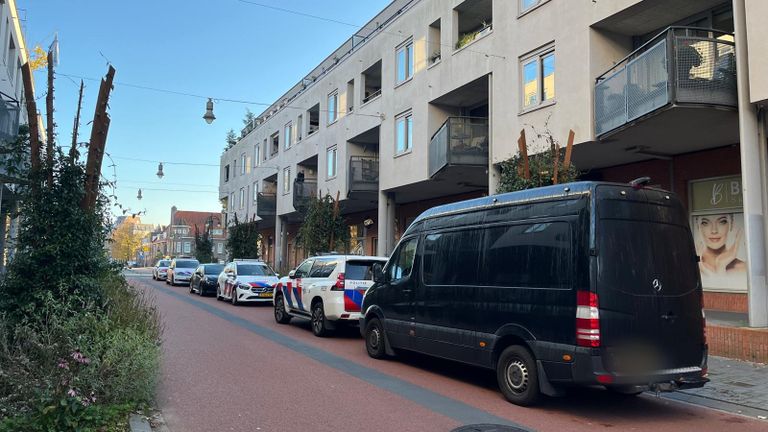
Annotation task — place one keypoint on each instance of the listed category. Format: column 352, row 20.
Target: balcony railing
column 266, row 205
column 460, row 141
column 303, row 191
column 372, row 96
column 364, row 174
column 680, row 66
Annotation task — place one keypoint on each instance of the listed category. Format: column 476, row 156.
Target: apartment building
column 420, row 106
column 13, row 53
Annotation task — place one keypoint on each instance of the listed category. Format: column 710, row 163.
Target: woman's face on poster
column 714, row 230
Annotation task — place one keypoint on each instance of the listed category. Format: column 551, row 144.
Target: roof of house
column 195, row 218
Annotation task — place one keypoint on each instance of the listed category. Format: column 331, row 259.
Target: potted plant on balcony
column 435, row 57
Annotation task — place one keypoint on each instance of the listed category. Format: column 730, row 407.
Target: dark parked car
column 205, row 279
column 578, row 284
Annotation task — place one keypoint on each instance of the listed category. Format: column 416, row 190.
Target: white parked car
column 326, row 290
column 246, row 281
column 180, row 270
column 160, row 270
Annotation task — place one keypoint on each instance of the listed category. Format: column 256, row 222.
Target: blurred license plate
column 265, row 294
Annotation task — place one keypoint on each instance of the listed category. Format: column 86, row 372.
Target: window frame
column 257, row 154
column 409, row 58
column 522, row 10
column 335, row 150
column 288, row 135
column 335, row 111
column 396, row 256
column 537, row 58
column 287, row 182
column 407, row 118
column 242, row 198
column 299, row 126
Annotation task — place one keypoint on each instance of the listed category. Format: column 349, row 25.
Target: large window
column 242, row 198
column 242, row 164
column 255, row 191
column 404, row 62
column 288, row 138
column 331, row 163
column 402, row 262
column 257, row 154
column 286, row 181
column 528, row 255
column 299, row 128
column 333, row 107
column 404, row 132
column 538, row 72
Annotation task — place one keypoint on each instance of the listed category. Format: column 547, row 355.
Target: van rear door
column 647, row 281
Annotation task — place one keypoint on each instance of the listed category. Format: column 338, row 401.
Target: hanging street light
column 160, row 171
column 209, row 117
column 139, row 195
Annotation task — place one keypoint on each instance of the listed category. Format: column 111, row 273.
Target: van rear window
column 529, row 255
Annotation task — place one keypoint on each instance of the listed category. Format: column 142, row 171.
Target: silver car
column 160, row 270
column 180, row 270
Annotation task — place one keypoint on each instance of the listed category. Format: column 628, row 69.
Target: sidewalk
column 736, row 386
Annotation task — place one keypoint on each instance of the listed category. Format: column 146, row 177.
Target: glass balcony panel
column 364, row 174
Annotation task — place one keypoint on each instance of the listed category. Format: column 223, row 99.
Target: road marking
column 449, row 407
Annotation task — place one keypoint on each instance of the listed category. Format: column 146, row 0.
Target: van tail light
column 339, row 285
column 587, row 320
column 704, row 326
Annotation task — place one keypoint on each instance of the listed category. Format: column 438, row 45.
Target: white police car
column 246, row 281
column 325, row 289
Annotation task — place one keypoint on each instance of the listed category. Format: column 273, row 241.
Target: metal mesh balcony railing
column 303, row 191
column 266, row 205
column 682, row 65
column 364, row 174
column 459, row 141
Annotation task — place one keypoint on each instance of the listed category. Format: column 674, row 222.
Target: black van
column 584, row 283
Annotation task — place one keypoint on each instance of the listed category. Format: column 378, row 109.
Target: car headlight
column 244, row 287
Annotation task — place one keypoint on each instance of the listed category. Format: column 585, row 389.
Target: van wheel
column 517, row 376
column 281, row 316
column 374, row 339
column 319, row 322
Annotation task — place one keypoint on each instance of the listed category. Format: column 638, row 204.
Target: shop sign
column 716, row 194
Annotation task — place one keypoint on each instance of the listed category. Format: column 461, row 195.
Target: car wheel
column 319, row 322
column 234, row 297
column 281, row 316
column 218, row 294
column 374, row 339
column 517, row 376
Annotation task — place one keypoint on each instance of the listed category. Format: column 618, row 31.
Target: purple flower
column 71, row 393
column 80, row 358
column 63, row 364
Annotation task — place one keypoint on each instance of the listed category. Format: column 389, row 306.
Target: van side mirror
column 292, row 274
column 378, row 273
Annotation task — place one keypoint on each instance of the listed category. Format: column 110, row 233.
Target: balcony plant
column 469, row 37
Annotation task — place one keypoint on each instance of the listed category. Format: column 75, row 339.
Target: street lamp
column 160, row 171
column 209, row 117
column 139, row 195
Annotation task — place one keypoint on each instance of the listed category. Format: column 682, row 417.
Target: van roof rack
column 248, row 260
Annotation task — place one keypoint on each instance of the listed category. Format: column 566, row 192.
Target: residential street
column 231, row 368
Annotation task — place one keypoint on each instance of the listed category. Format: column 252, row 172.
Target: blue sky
column 233, row 50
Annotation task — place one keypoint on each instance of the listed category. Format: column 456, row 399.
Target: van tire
column 517, row 376
column 375, row 343
column 281, row 316
column 319, row 321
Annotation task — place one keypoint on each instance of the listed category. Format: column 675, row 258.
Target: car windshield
column 163, row 263
column 254, row 270
column 187, row 263
column 213, row 269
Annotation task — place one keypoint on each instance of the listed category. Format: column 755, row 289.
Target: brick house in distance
column 180, row 237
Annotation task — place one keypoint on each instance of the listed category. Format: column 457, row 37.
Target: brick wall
column 730, row 302
column 738, row 343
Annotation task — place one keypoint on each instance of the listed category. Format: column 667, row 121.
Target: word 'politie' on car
column 160, row 270
column 577, row 284
column 180, row 270
column 246, row 281
column 205, row 278
column 325, row 289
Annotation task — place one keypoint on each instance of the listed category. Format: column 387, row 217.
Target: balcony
column 304, row 190
column 460, row 142
column 682, row 67
column 266, row 205
column 363, row 174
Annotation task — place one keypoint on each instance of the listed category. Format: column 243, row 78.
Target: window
column 286, row 181
column 178, row 247
column 538, row 79
column 242, row 164
column 371, row 82
column 304, row 268
column 322, row 268
column 528, row 4
column 333, row 106
column 299, row 128
column 275, row 144
column 452, row 258
column 187, row 249
column 331, row 162
column 226, row 173
column 220, row 247
column 288, row 135
column 435, row 42
column 404, row 132
column 403, row 263
column 257, row 154
column 255, row 191
column 314, row 119
column 404, row 60
column 242, row 198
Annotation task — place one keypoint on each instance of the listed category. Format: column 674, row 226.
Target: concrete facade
column 695, row 117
